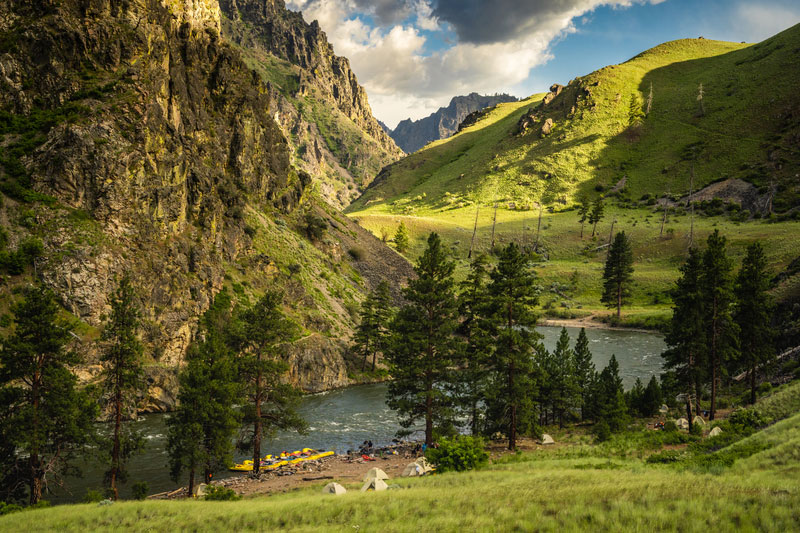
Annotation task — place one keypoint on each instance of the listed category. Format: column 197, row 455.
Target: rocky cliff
column 411, row 135
column 320, row 105
column 136, row 139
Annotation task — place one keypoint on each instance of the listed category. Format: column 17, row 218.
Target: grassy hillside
column 754, row 486
column 749, row 132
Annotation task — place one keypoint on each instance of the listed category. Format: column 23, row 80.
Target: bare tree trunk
column 191, row 481
column 664, row 218
column 538, row 229
column 494, row 222
column 429, row 413
column 474, row 232
column 115, row 449
column 691, row 207
column 257, row 423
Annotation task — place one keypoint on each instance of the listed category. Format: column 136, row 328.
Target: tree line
column 721, row 321
column 469, row 355
column 231, row 392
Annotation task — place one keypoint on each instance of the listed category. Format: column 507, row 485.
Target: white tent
column 664, row 409
column 547, row 439
column 374, row 484
column 413, row 469
column 698, row 420
column 426, row 466
column 375, row 473
column 334, row 488
column 682, row 423
column 715, row 431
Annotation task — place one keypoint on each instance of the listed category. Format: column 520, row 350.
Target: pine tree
column 635, row 396
column 753, row 314
column 635, row 113
column 652, row 398
column 565, row 387
column 596, row 214
column 618, row 273
column 46, row 418
column 584, row 208
column 612, row 408
column 716, row 287
column 270, row 404
column 511, row 323
column 423, row 348
column 584, row 371
column 401, row 238
column 201, row 430
column 123, row 368
column 686, row 337
column 372, row 331
column 471, row 308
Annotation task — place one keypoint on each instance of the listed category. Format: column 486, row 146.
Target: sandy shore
column 587, row 322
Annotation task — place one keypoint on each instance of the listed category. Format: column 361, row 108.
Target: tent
column 333, row 488
column 374, row 484
column 375, row 473
column 547, row 439
column 413, row 469
column 682, row 423
column 698, row 420
column 715, row 431
column 200, row 490
column 426, row 466
column 664, row 409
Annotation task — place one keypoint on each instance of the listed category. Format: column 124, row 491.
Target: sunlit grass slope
column 748, row 131
column 568, row 488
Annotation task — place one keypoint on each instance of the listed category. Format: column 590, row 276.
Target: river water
column 342, row 419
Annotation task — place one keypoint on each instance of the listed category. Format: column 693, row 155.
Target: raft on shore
column 270, row 462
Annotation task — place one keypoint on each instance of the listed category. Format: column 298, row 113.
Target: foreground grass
column 542, row 495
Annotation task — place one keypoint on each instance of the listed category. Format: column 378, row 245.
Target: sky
column 413, row 56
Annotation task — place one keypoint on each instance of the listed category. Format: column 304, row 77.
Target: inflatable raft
column 270, row 462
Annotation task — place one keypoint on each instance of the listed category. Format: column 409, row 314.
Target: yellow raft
column 271, row 463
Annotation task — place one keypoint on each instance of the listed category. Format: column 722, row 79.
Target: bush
column 665, row 457
column 357, row 253
column 602, row 431
column 746, row 421
column 670, row 427
column 458, row 454
column 315, row 226
column 93, row 496
column 140, row 490
column 219, row 493
column 6, row 508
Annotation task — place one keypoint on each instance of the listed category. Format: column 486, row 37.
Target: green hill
column 751, row 484
column 749, row 130
column 745, row 145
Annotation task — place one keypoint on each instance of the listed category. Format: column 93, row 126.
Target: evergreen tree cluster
column 232, row 384
column 470, row 355
column 721, row 322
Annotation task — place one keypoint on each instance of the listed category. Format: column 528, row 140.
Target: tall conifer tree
column 423, row 347
column 47, row 419
column 716, row 285
column 686, row 338
column 618, row 273
column 123, row 368
column 584, row 370
column 753, row 315
column 513, row 293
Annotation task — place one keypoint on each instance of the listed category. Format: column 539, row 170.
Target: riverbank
column 590, row 321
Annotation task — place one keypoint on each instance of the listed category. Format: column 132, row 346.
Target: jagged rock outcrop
column 411, row 135
column 143, row 143
column 336, row 138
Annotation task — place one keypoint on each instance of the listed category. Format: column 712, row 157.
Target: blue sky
column 412, row 56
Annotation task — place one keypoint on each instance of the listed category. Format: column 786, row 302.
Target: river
column 340, row 420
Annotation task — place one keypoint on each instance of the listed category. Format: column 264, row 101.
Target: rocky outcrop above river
column 144, row 143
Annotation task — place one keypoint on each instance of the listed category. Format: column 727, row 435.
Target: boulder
column 547, row 127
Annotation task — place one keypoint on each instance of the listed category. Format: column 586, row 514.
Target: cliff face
column 136, row 140
column 411, row 135
column 321, row 107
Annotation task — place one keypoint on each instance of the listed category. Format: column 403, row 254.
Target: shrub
column 140, row 490
column 746, row 421
column 357, row 253
column 219, row 493
column 458, row 454
column 6, row 508
column 602, row 431
column 314, row 226
column 93, row 496
column 665, row 457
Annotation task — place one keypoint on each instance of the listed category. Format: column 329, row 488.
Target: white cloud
column 403, row 79
column 756, row 22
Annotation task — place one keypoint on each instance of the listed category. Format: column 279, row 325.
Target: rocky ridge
column 321, row 107
column 411, row 135
column 135, row 139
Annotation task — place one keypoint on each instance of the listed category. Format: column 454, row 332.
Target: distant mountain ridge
column 411, row 135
